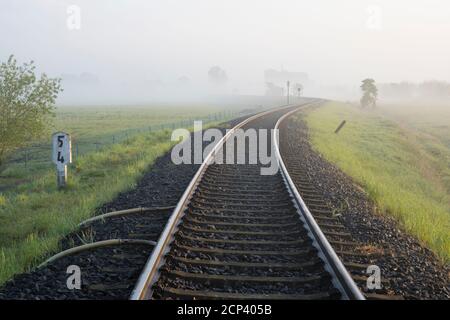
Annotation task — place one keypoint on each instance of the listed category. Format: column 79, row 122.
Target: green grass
column 96, row 127
column 393, row 164
column 100, row 123
column 34, row 215
column 432, row 120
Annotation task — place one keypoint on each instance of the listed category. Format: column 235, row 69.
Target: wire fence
column 39, row 154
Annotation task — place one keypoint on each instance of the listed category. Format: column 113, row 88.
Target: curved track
column 237, row 234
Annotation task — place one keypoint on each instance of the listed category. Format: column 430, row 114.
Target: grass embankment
column 97, row 127
column 404, row 172
column 35, row 217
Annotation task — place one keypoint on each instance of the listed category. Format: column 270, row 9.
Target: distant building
column 273, row 90
column 279, row 78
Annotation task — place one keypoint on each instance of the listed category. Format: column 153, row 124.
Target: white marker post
column 62, row 155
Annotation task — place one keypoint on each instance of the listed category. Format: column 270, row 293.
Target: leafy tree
column 370, row 93
column 217, row 75
column 26, row 105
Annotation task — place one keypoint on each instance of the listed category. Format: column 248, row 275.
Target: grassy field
column 97, row 127
column 400, row 158
column 34, row 215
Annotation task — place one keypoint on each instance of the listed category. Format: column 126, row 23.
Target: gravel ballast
column 412, row 270
column 111, row 272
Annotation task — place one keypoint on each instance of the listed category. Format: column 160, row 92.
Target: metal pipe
column 98, row 244
column 150, row 271
column 123, row 212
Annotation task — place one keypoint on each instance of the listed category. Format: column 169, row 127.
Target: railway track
column 234, row 234
column 237, row 234
column 355, row 256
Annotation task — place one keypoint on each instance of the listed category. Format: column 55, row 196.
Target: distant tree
column 217, row 75
column 429, row 90
column 26, row 105
column 401, row 90
column 183, row 81
column 434, row 89
column 370, row 93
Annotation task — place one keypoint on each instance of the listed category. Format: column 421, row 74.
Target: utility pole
column 288, row 83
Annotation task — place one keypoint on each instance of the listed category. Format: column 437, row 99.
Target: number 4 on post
column 62, row 155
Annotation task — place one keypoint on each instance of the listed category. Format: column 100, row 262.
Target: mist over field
column 323, row 129
column 139, row 51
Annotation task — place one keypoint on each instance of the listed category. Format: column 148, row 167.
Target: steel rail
column 150, row 272
column 341, row 277
column 149, row 275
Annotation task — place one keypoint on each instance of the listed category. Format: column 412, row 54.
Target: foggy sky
column 142, row 47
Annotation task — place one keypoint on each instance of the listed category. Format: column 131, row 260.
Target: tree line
column 429, row 90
